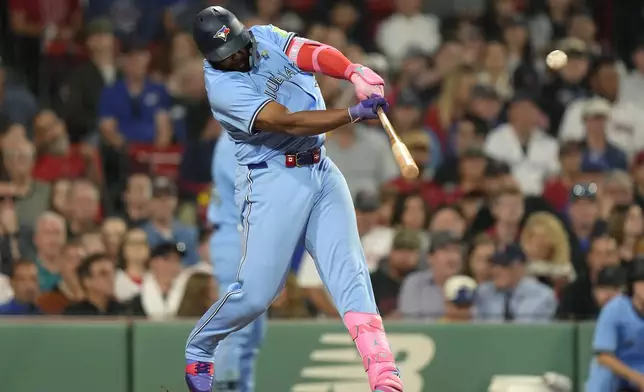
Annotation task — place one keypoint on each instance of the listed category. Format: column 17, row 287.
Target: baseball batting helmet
column 635, row 273
column 219, row 34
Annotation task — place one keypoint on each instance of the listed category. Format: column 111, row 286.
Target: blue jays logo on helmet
column 222, row 33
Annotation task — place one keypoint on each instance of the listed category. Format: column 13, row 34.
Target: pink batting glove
column 366, row 81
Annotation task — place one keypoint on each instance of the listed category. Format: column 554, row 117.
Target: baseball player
column 236, row 354
column 618, row 343
column 262, row 90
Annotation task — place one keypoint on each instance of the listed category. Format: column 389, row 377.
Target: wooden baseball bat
column 406, row 163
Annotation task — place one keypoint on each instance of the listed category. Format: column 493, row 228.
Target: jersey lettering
column 274, row 83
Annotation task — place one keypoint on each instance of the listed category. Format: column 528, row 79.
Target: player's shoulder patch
column 279, row 31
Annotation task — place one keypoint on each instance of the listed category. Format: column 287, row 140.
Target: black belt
column 294, row 159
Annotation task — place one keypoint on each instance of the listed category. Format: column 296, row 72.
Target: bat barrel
column 406, row 163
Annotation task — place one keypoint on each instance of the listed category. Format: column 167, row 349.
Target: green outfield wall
column 144, row 356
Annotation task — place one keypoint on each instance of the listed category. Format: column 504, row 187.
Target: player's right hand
column 368, row 108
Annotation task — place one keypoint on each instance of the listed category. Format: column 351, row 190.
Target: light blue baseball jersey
column 236, row 98
column 222, row 209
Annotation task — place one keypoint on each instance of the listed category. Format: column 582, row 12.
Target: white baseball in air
column 556, row 59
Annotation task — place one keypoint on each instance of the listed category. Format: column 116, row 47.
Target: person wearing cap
column 421, row 294
column 387, row 279
column 162, row 225
column 486, row 104
column 363, row 156
column 610, row 282
column 83, row 89
column 459, row 292
column 598, row 151
column 556, row 190
column 135, row 109
column 625, row 127
column 96, row 274
column 522, row 144
column 511, row 295
column 567, row 83
column 618, row 363
column 632, row 84
column 163, row 285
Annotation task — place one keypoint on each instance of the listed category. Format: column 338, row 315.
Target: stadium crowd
column 528, row 207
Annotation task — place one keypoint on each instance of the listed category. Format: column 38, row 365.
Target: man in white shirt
column 625, row 128
column 632, row 85
column 528, row 150
column 376, row 243
column 406, row 29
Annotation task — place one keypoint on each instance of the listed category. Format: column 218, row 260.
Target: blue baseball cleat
column 199, row 376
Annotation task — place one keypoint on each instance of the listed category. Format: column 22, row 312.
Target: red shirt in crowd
column 431, row 192
column 49, row 168
column 556, row 193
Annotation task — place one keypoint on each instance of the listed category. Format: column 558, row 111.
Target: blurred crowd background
column 529, row 204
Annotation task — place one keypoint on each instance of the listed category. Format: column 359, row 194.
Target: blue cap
column 508, row 256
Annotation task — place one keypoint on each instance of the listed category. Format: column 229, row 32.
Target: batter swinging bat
column 406, row 163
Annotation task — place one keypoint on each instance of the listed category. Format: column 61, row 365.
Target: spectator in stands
column 585, row 221
column 113, row 230
column 610, row 282
column 470, row 204
column 133, row 258
column 520, row 143
column 568, row 83
column 637, row 174
column 57, row 158
column 84, row 86
column 411, row 212
column 599, row 152
column 486, row 104
column 447, row 218
column 419, row 145
column 577, row 299
column 96, row 274
column 508, row 209
column 24, row 284
column 201, row 292
column 468, row 136
column 581, row 26
column 516, row 37
column 59, row 202
column 68, row 290
column 163, row 226
column 478, row 258
column 631, row 84
column 92, row 242
column 163, row 286
column 459, row 292
column 450, row 105
column 363, row 156
column 496, row 13
column 406, row 116
column 626, row 226
column 408, row 28
column 556, row 190
column 496, row 72
column 31, row 196
column 12, row 237
column 421, row 294
column 511, row 295
column 136, row 199
column 85, row 199
column 135, row 109
column 550, row 24
column 49, row 237
column 273, row 12
column 617, row 186
column 17, row 103
column 625, row 129
column 388, row 278
column 547, row 249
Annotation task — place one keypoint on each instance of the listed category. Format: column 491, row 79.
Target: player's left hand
column 366, row 82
